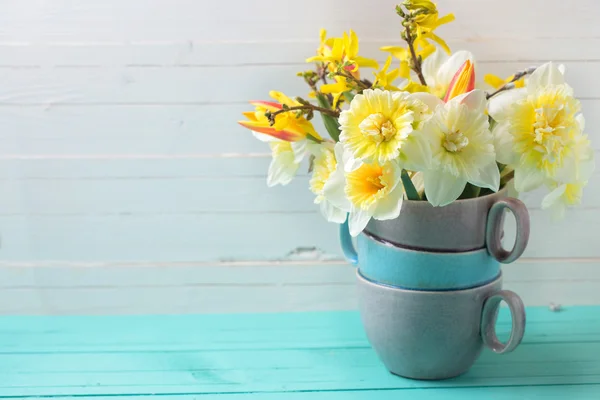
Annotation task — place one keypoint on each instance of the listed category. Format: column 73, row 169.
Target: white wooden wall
column 127, row 187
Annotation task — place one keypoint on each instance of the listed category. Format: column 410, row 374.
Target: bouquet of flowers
column 419, row 129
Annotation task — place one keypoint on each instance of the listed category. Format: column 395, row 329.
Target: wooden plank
column 195, row 53
column 558, row 392
column 186, row 19
column 314, row 367
column 171, row 288
column 185, row 195
column 145, row 130
column 197, row 86
column 214, row 236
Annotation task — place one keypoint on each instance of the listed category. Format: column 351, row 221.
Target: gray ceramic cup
column 433, row 334
column 463, row 225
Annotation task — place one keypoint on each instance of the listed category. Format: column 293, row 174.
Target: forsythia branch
column 416, row 60
column 511, row 84
column 308, row 107
column 361, row 84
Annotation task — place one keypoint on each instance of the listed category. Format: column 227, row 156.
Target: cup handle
column 347, row 246
column 488, row 321
column 495, row 226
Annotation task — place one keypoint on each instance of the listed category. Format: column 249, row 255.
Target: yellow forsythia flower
column 426, row 21
column 384, row 79
column 496, row 82
column 342, row 51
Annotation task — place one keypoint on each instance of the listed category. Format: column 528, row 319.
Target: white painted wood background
column 127, row 187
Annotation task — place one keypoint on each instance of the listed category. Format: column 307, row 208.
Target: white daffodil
column 537, row 130
column 324, row 165
column 369, row 191
column 462, row 148
column 439, row 69
column 287, row 157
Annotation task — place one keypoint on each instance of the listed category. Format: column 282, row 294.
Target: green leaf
column 349, row 96
column 331, row 124
column 409, row 187
column 470, row 192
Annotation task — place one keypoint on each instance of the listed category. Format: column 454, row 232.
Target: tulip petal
column 268, row 105
column 283, row 135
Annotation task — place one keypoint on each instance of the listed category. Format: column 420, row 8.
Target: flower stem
column 409, row 187
column 511, row 84
column 362, row 85
column 306, row 107
column 416, row 61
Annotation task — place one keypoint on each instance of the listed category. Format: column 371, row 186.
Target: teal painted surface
column 423, row 270
column 278, row 356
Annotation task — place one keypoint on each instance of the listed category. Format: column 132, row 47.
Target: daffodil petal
column 544, row 75
column 489, row 177
column 528, row 178
column 503, row 144
column 332, row 213
column 500, row 104
column 333, row 190
column 358, row 220
column 389, row 208
column 442, row 188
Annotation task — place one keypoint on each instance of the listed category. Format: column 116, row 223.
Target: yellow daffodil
column 370, row 191
column 439, row 70
column 384, row 79
column 324, row 165
column 342, row 52
column 538, row 130
column 462, row 147
column 378, row 127
column 287, row 125
column 425, row 21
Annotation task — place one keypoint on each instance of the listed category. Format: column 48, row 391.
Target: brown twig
column 310, row 107
column 511, row 84
column 416, row 62
column 359, row 83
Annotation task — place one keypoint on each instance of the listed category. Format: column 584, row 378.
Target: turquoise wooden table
column 278, row 357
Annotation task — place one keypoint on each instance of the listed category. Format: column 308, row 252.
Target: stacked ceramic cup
column 430, row 284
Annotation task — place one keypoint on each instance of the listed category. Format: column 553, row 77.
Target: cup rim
column 421, row 203
column 382, row 242
column 364, row 280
